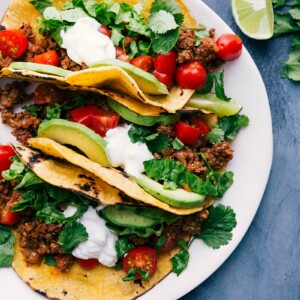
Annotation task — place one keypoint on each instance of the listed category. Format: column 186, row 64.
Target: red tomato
column 84, row 114
column 230, row 46
column 47, row 58
column 166, row 79
column 6, row 152
column 104, row 120
column 104, row 30
column 202, row 125
column 121, row 55
column 8, row 217
column 87, row 263
column 186, row 133
column 13, row 43
column 191, row 75
column 142, row 258
column 143, row 62
column 165, row 63
column 47, row 93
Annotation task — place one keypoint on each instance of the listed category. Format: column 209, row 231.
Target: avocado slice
column 146, row 81
column 177, row 198
column 77, row 135
column 41, row 68
column 135, row 118
column 127, row 217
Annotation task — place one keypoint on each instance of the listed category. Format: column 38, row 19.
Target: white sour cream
column 101, row 241
column 84, row 43
column 123, row 153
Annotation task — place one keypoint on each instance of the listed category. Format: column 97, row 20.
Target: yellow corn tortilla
column 101, row 282
column 111, row 176
column 112, row 78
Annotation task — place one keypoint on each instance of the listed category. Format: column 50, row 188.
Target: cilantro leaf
column 164, row 43
column 169, row 6
column 130, row 274
column 227, row 128
column 71, row 236
column 123, row 245
column 41, row 5
column 291, row 68
column 161, row 22
column 7, row 242
column 216, row 230
column 181, row 259
column 284, row 23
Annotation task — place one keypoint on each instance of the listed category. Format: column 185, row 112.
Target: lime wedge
column 255, row 18
column 211, row 103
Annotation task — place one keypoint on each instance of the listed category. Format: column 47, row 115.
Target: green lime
column 211, row 103
column 255, row 18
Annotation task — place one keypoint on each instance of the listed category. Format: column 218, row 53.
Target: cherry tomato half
column 187, row 134
column 87, row 263
column 84, row 114
column 165, row 63
column 143, row 62
column 6, row 152
column 121, row 54
column 47, row 93
column 230, row 46
column 191, row 75
column 202, row 125
column 104, row 30
column 8, row 217
column 104, row 120
column 13, row 43
column 166, row 79
column 47, row 58
column 141, row 258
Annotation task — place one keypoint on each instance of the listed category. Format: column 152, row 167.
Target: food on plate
column 120, row 154
column 130, row 57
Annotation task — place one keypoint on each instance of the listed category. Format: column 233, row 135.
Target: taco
column 51, row 231
column 137, row 30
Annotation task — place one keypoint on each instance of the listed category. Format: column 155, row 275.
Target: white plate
column 251, row 166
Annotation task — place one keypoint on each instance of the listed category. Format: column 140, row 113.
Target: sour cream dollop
column 84, row 43
column 123, row 153
column 101, row 241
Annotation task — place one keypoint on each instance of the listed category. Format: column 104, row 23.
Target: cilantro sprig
column 7, row 241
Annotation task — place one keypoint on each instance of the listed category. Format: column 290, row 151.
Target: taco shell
column 81, row 284
column 111, row 176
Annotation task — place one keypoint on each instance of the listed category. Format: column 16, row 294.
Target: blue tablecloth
column 266, row 264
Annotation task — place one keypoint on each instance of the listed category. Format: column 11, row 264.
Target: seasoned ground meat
column 23, row 123
column 68, row 64
column 7, row 193
column 38, row 239
column 137, row 240
column 218, row 155
column 193, row 223
column 191, row 160
column 205, row 52
column 166, row 129
column 13, row 93
column 64, row 262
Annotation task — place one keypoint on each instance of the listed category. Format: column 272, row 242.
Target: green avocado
column 135, row 118
column 177, row 198
column 41, row 68
column 127, row 217
column 77, row 135
column 146, row 81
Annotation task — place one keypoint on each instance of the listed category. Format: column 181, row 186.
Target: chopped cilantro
column 123, row 245
column 50, row 260
column 41, row 5
column 130, row 274
column 71, row 235
column 216, row 230
column 181, row 259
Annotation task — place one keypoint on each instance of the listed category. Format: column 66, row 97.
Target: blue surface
column 266, row 264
